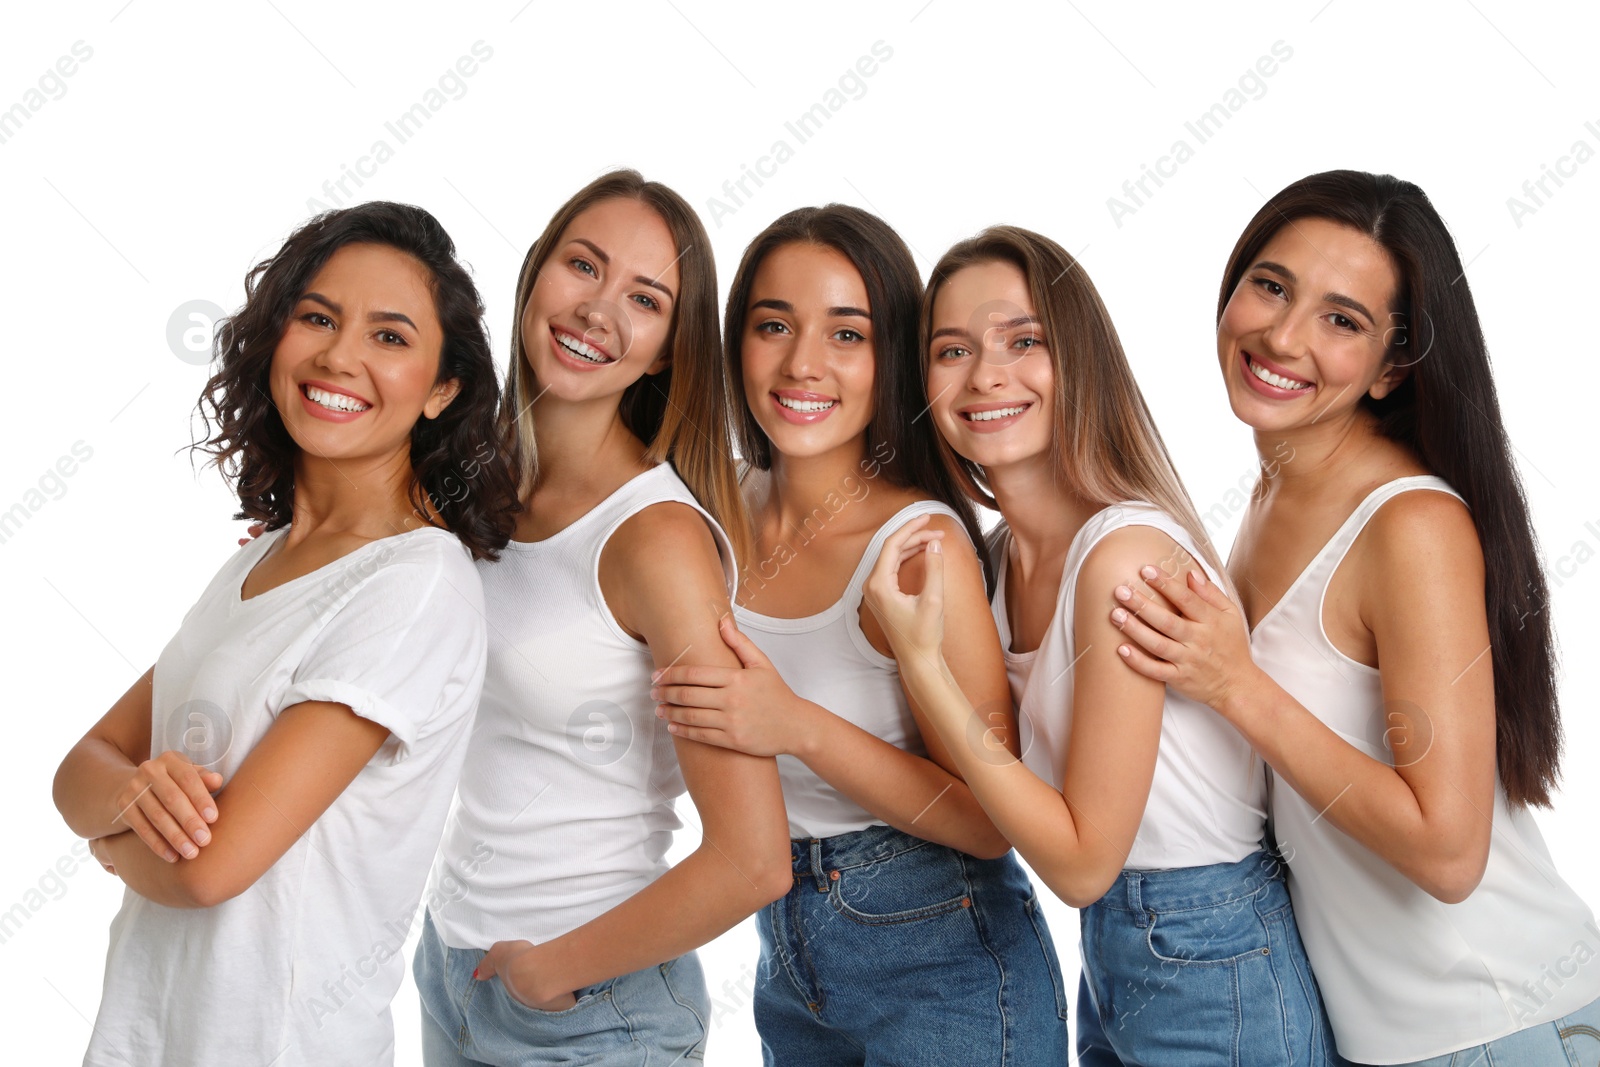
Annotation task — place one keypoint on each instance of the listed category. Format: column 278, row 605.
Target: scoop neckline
column 237, row 588
column 534, row 546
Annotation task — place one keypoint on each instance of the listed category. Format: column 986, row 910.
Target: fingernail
column 202, row 836
column 190, row 851
column 1122, row 650
column 475, row 972
column 655, row 676
column 170, row 856
column 661, row 711
column 933, row 546
column 209, row 813
column 1149, row 573
column 1119, row 616
column 655, row 694
column 1124, row 593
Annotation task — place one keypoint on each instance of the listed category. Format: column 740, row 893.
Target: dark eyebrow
column 851, row 311
column 376, row 316
column 605, row 260
column 1009, row 324
column 1331, row 298
column 785, row 306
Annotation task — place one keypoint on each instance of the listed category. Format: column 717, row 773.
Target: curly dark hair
column 456, row 463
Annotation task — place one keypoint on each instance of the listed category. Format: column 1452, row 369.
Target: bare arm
column 1421, row 596
column 305, row 760
column 1076, row 838
column 662, row 580
column 109, row 783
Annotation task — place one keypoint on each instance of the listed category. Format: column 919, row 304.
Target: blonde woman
column 1135, row 805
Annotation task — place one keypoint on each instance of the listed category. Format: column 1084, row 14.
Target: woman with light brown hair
column 1135, row 805
column 556, row 930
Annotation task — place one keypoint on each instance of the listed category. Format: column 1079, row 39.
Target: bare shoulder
column 1419, row 532
column 663, row 537
column 1117, row 557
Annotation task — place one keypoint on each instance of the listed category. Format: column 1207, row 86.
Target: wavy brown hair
column 680, row 413
column 1447, row 412
column 1104, row 446
column 456, row 466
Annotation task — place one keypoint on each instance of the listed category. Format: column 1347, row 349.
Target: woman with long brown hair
column 556, row 930
column 1134, row 804
column 1402, row 685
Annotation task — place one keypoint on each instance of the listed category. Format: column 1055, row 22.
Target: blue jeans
column 1571, row 1041
column 893, row 950
column 650, row 1018
column 1199, row 965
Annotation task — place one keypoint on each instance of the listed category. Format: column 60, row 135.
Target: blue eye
column 646, row 300
column 584, row 265
column 951, row 353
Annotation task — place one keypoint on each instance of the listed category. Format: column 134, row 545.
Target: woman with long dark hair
column 909, row 933
column 556, row 932
column 1138, row 807
column 1403, row 681
column 323, row 684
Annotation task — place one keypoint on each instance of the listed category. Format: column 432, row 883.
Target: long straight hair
column 1104, row 446
column 894, row 291
column 1446, row 411
column 681, row 413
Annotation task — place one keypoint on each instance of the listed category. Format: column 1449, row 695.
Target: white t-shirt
column 299, row 969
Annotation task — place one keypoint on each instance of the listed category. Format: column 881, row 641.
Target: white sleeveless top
column 826, row 659
column 565, row 806
column 1405, row 976
column 1207, row 800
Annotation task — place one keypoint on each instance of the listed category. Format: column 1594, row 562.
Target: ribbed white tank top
column 1207, row 799
column 1404, row 976
column 826, row 659
column 565, row 806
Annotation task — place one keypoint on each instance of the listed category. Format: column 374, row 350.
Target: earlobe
column 443, row 394
column 1388, row 382
column 663, row 362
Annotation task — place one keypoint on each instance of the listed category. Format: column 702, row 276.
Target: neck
column 799, row 485
column 583, row 443
column 1041, row 511
column 1304, row 461
column 366, row 497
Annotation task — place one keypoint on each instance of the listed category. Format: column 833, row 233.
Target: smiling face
column 991, row 382
column 807, row 351
column 357, row 362
column 1304, row 335
column 599, row 314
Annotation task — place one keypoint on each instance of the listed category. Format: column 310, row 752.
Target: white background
column 192, row 140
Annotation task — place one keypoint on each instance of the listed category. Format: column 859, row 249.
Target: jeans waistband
column 818, row 857
column 1179, row 888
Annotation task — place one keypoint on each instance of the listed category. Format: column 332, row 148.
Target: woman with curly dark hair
column 272, row 790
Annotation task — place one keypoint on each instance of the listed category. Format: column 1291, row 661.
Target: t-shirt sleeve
column 406, row 649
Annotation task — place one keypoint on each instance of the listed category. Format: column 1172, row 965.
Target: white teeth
column 806, row 406
column 995, row 413
column 1275, row 379
column 584, row 352
column 335, row 401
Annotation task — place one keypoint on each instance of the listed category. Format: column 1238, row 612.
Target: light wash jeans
column 1199, row 966
column 650, row 1018
column 1571, row 1041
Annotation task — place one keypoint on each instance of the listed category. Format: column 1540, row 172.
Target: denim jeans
column 651, row 1018
column 1199, row 965
column 894, row 950
column 1571, row 1041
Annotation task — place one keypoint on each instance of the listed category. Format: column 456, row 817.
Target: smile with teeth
column 807, row 407
column 579, row 350
column 334, row 401
column 994, row 413
column 1273, row 379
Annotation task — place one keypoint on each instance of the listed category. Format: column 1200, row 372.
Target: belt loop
column 1136, row 899
column 818, row 875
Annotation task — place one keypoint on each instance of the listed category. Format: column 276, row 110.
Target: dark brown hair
column 1447, row 412
column 894, row 292
column 456, row 466
column 681, row 412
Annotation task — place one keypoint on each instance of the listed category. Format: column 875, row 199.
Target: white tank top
column 1404, row 976
column 565, row 807
column 1207, row 800
column 826, row 659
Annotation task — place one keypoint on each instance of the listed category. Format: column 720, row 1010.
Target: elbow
column 990, row 846
column 204, row 885
column 1080, row 888
column 772, row 882
column 1453, row 880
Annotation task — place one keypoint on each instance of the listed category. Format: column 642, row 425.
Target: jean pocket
column 685, row 982
column 1048, row 945
column 1218, row 933
column 921, row 883
column 588, row 997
